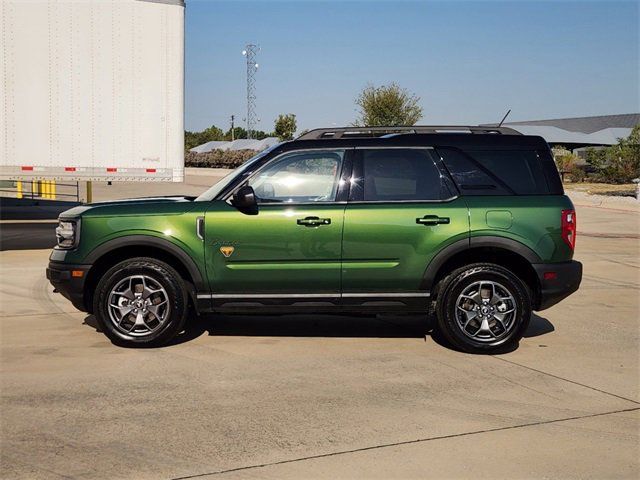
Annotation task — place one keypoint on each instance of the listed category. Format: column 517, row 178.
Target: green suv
column 470, row 220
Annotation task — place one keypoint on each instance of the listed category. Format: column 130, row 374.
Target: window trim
column 342, row 194
column 358, row 172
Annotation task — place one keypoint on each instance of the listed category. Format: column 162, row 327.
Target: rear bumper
column 568, row 276
column 71, row 287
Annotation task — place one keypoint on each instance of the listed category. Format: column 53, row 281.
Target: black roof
column 368, row 132
column 374, row 137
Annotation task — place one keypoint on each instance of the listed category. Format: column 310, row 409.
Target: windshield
column 220, row 185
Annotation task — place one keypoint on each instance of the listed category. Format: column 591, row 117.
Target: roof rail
column 374, row 132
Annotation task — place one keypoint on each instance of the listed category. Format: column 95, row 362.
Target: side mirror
column 245, row 200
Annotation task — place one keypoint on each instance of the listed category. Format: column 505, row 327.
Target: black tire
column 163, row 275
column 450, row 316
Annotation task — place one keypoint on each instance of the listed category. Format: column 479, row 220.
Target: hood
column 173, row 205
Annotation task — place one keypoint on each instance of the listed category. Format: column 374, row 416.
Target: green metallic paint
column 272, row 253
column 171, row 219
column 536, row 222
column 367, row 247
column 385, row 250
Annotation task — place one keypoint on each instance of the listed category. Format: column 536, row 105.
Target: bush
column 567, row 164
column 218, row 158
column 619, row 163
column 576, row 173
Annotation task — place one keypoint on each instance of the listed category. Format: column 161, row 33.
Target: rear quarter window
column 496, row 172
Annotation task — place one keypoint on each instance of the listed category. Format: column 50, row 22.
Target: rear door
column 402, row 210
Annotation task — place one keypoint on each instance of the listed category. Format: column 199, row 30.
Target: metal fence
column 40, row 189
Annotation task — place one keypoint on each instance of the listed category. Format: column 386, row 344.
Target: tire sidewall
column 161, row 273
column 464, row 278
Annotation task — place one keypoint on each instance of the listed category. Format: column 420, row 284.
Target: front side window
column 300, row 177
column 402, row 175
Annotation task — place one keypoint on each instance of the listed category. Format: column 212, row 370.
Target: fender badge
column 227, row 251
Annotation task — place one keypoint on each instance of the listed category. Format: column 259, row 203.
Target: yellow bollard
column 19, row 189
column 45, row 189
column 53, row 189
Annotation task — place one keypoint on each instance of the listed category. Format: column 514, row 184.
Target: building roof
column 580, row 131
column 587, row 124
column 207, row 147
column 240, row 144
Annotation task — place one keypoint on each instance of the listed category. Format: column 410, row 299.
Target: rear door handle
column 433, row 220
column 313, row 221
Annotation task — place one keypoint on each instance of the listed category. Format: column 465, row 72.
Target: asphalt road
column 327, row 397
column 27, row 235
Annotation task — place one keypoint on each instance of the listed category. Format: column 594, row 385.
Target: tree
column 260, row 134
column 193, row 139
column 388, row 106
column 238, row 132
column 285, row 126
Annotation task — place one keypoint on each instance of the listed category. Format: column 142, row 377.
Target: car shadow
column 329, row 326
column 372, row 326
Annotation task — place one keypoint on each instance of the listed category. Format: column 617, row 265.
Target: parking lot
column 328, row 397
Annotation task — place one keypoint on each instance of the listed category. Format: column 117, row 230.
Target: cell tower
column 250, row 52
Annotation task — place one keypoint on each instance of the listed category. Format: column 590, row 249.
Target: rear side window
column 496, row 172
column 402, row 174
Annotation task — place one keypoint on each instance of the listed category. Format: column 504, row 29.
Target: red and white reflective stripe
column 69, row 169
column 112, row 169
column 151, row 170
column 27, row 169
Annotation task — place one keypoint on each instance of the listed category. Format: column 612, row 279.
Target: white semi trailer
column 92, row 90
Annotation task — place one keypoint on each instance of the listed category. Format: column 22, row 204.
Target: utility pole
column 233, row 117
column 250, row 52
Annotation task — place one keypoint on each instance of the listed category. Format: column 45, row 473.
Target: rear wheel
column 141, row 302
column 483, row 308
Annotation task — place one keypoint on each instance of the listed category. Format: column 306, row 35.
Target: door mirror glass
column 245, row 200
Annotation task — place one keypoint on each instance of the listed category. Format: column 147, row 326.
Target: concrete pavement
column 327, row 397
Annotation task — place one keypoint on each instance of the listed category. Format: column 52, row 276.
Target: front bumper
column 557, row 281
column 71, row 287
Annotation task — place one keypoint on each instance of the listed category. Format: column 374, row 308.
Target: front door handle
column 313, row 221
column 433, row 220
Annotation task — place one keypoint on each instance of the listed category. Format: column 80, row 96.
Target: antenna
column 504, row 118
column 250, row 52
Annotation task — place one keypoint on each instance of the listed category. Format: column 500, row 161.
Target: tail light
column 569, row 228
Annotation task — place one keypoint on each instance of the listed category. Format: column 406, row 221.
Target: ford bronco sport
column 470, row 220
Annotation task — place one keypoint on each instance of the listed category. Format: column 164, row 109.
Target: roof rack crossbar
column 375, row 132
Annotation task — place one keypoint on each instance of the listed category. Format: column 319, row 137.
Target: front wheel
column 141, row 302
column 483, row 308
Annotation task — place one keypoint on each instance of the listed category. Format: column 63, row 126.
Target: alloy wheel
column 138, row 305
column 486, row 311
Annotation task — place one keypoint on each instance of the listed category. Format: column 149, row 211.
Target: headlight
column 67, row 233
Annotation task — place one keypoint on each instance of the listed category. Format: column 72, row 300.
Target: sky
column 467, row 61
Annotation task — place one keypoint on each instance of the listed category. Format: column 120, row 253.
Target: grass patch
column 609, row 189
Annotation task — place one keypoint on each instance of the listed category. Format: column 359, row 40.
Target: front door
column 291, row 248
column 402, row 211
